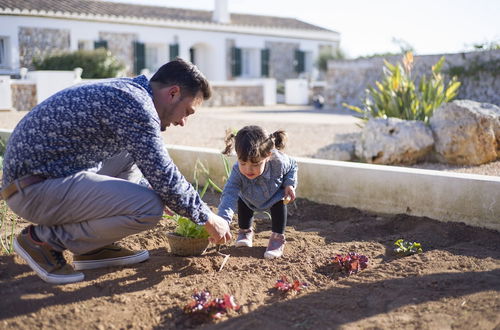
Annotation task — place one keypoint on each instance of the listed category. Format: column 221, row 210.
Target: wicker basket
column 186, row 246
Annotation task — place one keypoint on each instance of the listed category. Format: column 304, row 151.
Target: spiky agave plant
column 399, row 96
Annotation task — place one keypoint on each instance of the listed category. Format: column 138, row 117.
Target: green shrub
column 399, row 96
column 96, row 64
column 325, row 56
column 475, row 67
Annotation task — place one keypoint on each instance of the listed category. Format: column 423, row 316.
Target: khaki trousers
column 90, row 209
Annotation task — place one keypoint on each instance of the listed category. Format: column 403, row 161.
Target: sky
column 367, row 27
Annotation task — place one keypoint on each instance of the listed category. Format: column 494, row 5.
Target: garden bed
column 454, row 283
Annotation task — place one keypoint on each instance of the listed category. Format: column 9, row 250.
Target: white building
column 225, row 46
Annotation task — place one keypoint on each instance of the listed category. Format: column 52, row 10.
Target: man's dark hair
column 186, row 75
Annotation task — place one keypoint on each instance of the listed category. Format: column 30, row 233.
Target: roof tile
column 100, row 7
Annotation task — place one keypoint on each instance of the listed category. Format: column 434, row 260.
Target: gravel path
column 308, row 130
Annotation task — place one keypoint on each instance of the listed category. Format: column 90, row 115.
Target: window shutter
column 100, row 44
column 139, row 57
column 192, row 55
column 300, row 58
column 174, row 51
column 3, row 53
column 264, row 62
column 236, row 61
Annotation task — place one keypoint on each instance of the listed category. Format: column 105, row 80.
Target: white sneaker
column 275, row 247
column 245, row 238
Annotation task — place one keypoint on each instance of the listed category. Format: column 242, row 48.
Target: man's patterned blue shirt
column 79, row 127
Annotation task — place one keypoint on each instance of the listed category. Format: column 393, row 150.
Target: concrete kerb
column 445, row 196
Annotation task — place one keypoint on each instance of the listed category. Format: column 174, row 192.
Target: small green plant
column 187, row 228
column 399, row 96
column 280, row 88
column 405, row 248
column 486, row 45
column 8, row 223
column 96, row 64
column 202, row 170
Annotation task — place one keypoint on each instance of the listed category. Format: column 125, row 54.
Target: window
column 308, row 62
column 139, row 57
column 85, row 45
column 4, row 51
column 250, row 59
column 299, row 62
column 148, row 56
column 303, row 62
column 174, row 51
column 100, row 44
column 236, row 61
column 156, row 56
column 192, row 55
column 246, row 62
column 264, row 62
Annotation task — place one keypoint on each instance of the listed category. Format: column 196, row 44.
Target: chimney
column 221, row 13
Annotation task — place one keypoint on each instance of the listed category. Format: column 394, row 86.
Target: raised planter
column 458, row 197
column 468, row 198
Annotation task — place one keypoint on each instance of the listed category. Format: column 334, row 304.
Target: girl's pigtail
column 229, row 141
column 279, row 137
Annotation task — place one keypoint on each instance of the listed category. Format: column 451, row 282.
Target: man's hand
column 218, row 228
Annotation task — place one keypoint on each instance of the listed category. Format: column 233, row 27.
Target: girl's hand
column 289, row 194
column 167, row 211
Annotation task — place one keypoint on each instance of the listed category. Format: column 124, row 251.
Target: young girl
column 263, row 178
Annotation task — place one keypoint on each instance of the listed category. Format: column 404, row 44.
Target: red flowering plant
column 208, row 308
column 284, row 286
column 351, row 263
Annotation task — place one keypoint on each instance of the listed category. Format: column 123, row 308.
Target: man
column 75, row 166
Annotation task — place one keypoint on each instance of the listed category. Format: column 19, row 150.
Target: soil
column 453, row 284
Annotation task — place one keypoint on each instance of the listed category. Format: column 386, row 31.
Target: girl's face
column 252, row 170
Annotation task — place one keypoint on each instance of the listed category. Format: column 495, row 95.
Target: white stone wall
column 281, row 62
column 36, row 43
column 348, row 79
column 39, row 85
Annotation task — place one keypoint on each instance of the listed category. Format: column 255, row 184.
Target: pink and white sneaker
column 245, row 238
column 275, row 247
